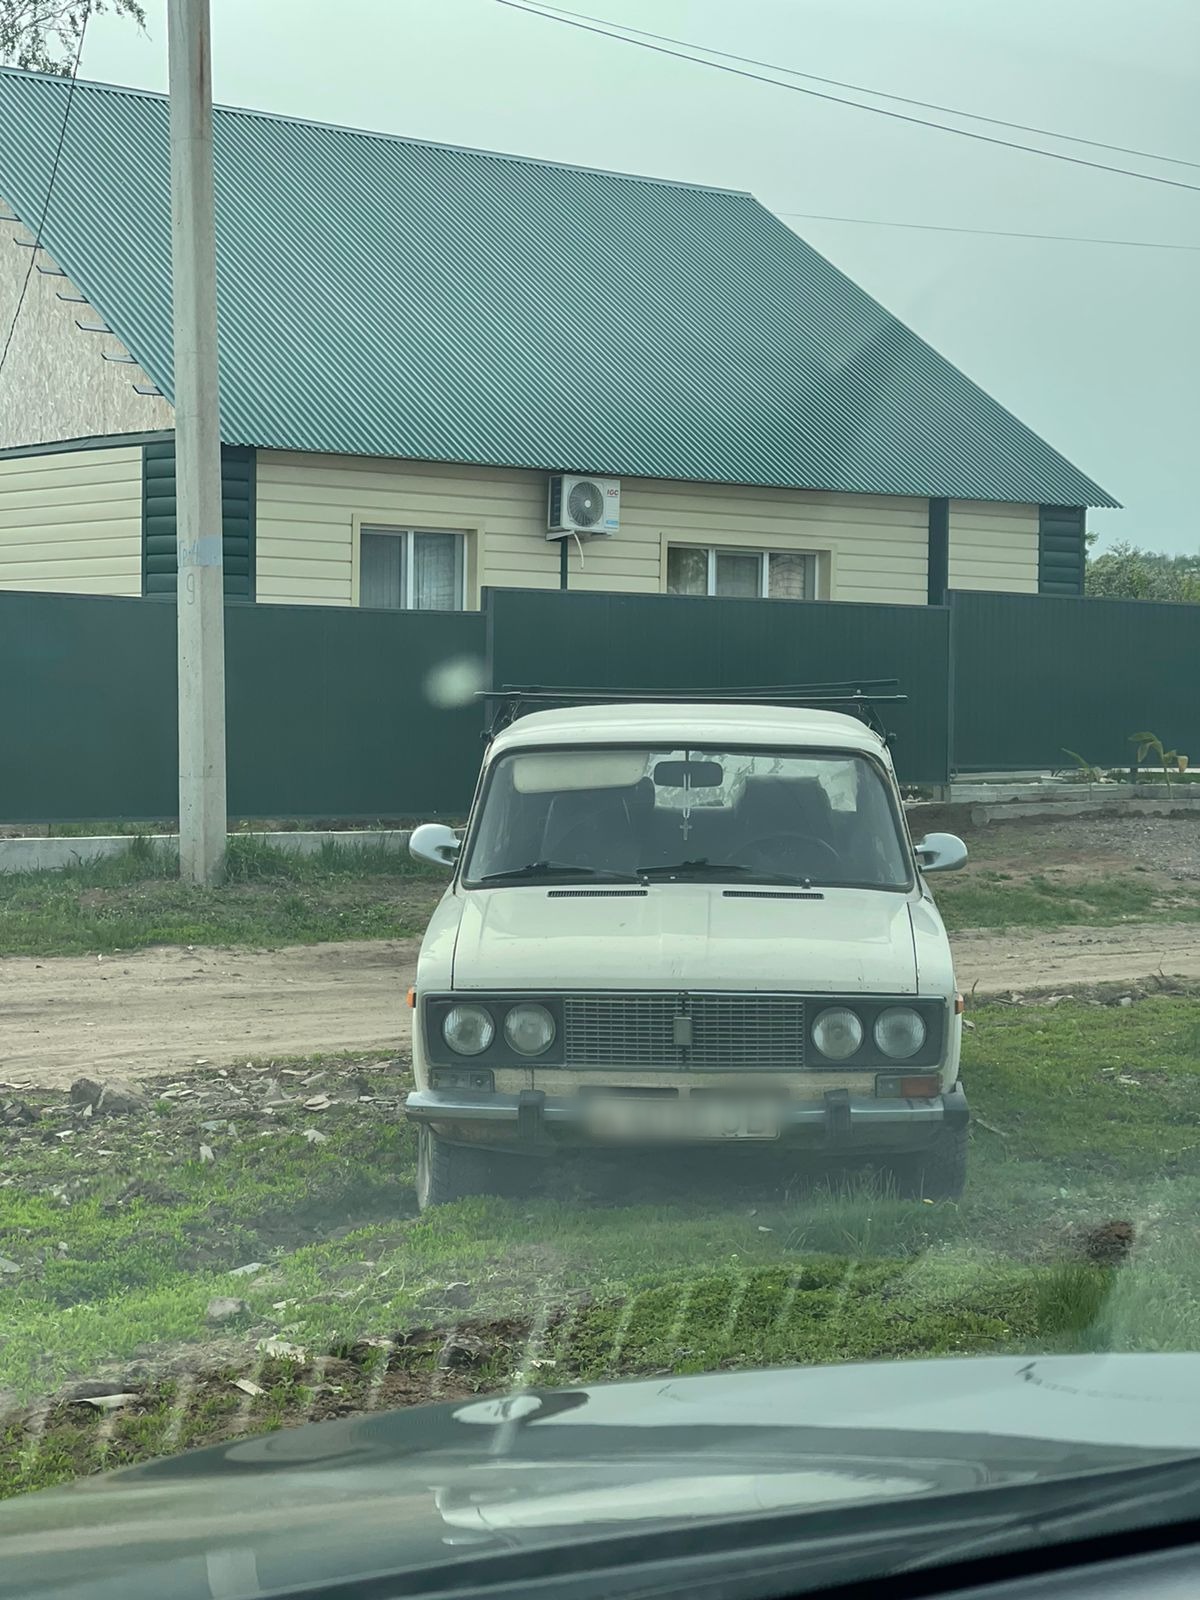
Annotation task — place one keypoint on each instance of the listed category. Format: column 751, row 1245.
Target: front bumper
column 837, row 1121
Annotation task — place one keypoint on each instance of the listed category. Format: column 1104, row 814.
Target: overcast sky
column 1097, row 347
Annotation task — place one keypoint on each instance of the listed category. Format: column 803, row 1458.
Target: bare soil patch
column 1168, row 847
column 990, row 963
column 157, row 1011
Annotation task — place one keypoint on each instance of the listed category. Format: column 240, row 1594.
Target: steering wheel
column 780, row 847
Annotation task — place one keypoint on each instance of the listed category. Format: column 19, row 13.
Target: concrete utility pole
column 200, row 599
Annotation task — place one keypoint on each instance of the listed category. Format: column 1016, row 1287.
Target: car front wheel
column 449, row 1172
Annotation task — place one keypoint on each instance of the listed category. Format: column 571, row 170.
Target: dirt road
column 995, row 963
column 160, row 1010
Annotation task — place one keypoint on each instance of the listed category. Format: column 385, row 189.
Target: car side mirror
column 941, row 852
column 436, row 843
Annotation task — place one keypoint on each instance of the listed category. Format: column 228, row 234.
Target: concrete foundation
column 48, row 855
column 971, row 791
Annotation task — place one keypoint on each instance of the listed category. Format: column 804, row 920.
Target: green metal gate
column 1037, row 675
column 611, row 641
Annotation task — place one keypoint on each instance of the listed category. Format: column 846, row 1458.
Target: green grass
column 1100, row 1089
column 726, row 1318
column 347, row 891
column 109, row 829
column 994, row 899
column 271, row 897
column 1088, row 1115
column 121, row 827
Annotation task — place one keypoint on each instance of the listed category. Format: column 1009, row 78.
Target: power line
column 882, row 94
column 991, row 233
column 37, row 238
column 817, row 94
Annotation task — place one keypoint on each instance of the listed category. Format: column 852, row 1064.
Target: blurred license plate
column 635, row 1118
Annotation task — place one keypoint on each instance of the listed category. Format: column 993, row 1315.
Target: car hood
column 415, row 1489
column 685, row 936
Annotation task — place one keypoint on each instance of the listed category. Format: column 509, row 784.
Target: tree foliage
column 43, row 35
column 1127, row 573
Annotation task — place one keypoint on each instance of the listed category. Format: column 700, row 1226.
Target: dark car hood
column 420, row 1487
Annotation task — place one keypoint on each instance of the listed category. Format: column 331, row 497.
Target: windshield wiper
column 533, row 870
column 557, row 869
column 719, row 869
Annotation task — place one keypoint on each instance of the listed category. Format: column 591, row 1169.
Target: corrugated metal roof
column 384, row 296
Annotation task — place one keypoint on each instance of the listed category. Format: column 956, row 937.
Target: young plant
column 1084, row 771
column 1169, row 760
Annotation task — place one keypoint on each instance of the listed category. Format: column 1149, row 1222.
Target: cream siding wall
column 871, row 547
column 71, row 521
column 993, row 546
column 310, row 507
column 57, row 384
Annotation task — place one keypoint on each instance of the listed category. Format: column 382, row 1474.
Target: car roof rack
column 856, row 697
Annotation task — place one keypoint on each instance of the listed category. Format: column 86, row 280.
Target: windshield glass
column 756, row 814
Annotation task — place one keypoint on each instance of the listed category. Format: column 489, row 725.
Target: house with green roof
column 419, row 341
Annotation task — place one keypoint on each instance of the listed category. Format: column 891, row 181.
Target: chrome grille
column 721, row 1033
column 622, row 1031
column 763, row 1031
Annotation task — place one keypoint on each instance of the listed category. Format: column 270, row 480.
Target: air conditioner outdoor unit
column 583, row 505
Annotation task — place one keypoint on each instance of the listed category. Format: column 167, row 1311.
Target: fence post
column 951, row 653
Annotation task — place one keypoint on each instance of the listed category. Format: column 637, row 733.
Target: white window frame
column 723, row 550
column 764, row 554
column 408, row 533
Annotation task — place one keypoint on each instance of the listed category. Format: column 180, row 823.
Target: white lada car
column 696, row 923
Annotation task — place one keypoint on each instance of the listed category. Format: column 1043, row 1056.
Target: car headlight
column 837, row 1033
column 899, row 1032
column 529, row 1029
column 468, row 1030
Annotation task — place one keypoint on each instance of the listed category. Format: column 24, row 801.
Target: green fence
column 87, row 714
column 331, row 712
column 334, row 712
column 341, row 713
column 611, row 641
column 1036, row 675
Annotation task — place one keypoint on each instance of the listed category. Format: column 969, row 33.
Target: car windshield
column 672, row 814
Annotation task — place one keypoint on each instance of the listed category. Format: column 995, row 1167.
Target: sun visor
column 556, row 771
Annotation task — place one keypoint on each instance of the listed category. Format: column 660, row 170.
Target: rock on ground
column 110, row 1099
column 224, row 1308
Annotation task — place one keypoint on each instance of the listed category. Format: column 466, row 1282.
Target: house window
column 741, row 574
column 411, row 569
